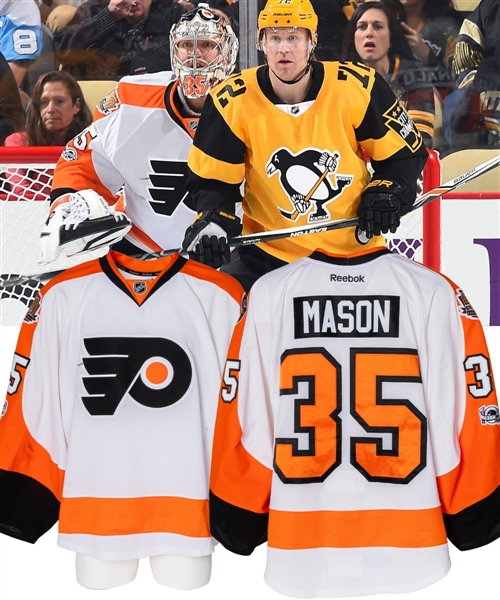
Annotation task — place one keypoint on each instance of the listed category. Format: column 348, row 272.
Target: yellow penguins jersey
column 358, row 427
column 138, row 144
column 312, row 151
column 110, row 410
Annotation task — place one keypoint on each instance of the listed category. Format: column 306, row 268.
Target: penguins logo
column 310, row 181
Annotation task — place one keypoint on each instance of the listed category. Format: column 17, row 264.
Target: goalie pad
column 78, row 223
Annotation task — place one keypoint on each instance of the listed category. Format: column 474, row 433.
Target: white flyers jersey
column 357, row 429
column 138, row 142
column 109, row 416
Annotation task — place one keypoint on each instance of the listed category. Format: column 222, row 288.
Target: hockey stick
column 269, row 236
column 300, row 230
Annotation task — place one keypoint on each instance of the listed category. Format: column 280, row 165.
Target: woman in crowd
column 375, row 37
column 57, row 112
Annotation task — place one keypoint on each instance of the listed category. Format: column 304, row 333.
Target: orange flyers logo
column 155, row 372
column 109, row 103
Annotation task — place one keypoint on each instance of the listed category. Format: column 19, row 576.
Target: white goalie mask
column 200, row 66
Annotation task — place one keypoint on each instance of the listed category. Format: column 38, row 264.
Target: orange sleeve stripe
column 226, row 282
column 80, row 175
column 356, row 529
column 142, row 96
column 128, row 516
column 82, row 270
column 236, row 476
column 19, row 451
column 468, row 482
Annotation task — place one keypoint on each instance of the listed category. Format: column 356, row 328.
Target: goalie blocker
column 80, row 222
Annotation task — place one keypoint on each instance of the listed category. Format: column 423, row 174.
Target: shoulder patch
column 399, row 121
column 69, row 154
column 489, row 415
column 109, row 103
column 464, row 306
column 33, row 313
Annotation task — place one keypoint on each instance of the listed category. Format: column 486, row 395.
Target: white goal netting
column 25, row 178
column 24, row 205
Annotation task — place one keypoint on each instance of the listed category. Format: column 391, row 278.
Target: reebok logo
column 347, row 278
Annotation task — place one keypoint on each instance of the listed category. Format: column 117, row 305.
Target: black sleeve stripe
column 476, row 525
column 211, row 194
column 382, row 98
column 229, row 148
column 238, row 530
column 54, row 194
column 27, row 508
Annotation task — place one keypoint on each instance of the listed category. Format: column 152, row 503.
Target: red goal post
column 25, row 179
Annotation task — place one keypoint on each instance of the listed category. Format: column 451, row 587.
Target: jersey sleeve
column 241, row 472
column 32, row 441
column 216, row 163
column 392, row 140
column 85, row 163
column 464, row 422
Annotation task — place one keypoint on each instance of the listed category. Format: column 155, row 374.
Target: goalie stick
column 300, row 230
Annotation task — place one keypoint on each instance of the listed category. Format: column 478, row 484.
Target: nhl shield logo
column 310, row 180
column 140, row 287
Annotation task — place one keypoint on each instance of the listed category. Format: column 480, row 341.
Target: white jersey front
column 138, row 141
column 109, row 416
column 357, row 429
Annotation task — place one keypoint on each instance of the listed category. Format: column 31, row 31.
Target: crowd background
column 440, row 57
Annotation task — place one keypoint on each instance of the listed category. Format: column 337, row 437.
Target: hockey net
column 25, row 179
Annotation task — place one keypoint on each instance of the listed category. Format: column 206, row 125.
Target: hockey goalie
column 79, row 222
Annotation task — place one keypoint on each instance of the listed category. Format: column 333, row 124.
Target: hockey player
column 295, row 130
column 139, row 142
column 357, row 429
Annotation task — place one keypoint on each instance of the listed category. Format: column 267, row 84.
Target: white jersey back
column 358, row 427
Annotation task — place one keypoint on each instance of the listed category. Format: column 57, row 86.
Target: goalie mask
column 203, row 49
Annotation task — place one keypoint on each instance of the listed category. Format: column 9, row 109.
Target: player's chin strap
column 297, row 79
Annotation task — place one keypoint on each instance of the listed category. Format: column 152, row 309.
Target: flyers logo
column 155, row 372
column 168, row 178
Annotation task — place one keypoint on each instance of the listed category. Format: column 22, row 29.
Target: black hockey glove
column 206, row 240
column 380, row 208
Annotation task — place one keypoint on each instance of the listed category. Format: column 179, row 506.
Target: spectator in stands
column 105, row 35
column 375, row 37
column 11, row 108
column 20, row 35
column 431, row 29
column 476, row 69
column 56, row 114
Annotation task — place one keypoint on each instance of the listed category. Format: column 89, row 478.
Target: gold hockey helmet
column 288, row 13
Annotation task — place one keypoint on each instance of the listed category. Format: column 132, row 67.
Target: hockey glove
column 80, row 222
column 380, row 208
column 206, row 240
